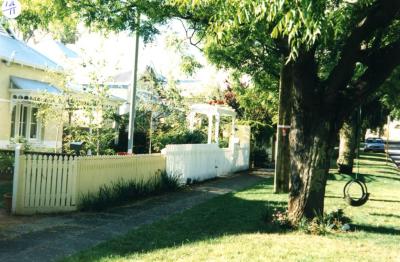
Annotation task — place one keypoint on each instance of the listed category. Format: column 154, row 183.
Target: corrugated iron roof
column 16, row 51
column 33, row 85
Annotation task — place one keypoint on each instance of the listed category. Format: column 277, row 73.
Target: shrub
column 6, row 163
column 332, row 222
column 278, row 217
column 180, row 136
column 124, row 191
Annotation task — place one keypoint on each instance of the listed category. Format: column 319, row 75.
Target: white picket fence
column 48, row 184
column 51, row 184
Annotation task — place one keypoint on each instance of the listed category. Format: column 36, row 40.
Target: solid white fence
column 198, row 162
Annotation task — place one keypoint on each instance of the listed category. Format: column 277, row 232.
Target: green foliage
column 6, row 162
column 123, row 191
column 50, row 16
column 334, row 221
column 277, row 217
column 189, row 65
column 259, row 156
column 178, row 136
column 98, row 141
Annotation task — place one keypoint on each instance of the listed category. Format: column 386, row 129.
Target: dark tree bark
column 311, row 139
column 347, row 146
column 282, row 162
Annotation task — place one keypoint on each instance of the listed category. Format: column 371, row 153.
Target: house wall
column 50, row 133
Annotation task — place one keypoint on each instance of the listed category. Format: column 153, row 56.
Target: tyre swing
column 352, row 201
column 356, row 182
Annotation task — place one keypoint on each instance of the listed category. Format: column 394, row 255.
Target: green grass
column 231, row 228
column 5, row 187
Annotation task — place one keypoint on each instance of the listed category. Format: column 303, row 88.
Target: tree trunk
column 310, row 155
column 311, row 139
column 347, row 146
column 282, row 159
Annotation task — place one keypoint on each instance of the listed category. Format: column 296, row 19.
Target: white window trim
column 17, row 121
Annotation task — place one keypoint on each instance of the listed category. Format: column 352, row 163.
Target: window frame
column 17, row 119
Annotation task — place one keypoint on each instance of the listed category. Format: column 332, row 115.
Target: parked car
column 374, row 145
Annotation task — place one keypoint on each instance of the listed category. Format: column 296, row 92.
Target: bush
column 334, row 221
column 260, row 157
column 6, row 163
column 182, row 136
column 278, row 217
column 124, row 191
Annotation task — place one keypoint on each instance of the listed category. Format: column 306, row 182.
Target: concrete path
column 53, row 237
column 394, row 151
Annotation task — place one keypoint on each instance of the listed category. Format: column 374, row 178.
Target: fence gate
column 46, row 183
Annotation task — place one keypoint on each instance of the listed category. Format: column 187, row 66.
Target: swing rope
column 356, row 202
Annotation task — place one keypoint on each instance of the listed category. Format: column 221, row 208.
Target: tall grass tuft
column 123, row 191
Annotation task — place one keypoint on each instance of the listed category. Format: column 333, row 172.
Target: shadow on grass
column 370, row 178
column 364, row 177
column 385, row 215
column 221, row 216
column 370, row 199
column 373, row 156
column 377, row 230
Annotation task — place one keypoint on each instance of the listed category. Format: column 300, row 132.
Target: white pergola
column 210, row 111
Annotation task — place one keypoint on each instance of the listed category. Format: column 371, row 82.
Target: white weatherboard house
column 24, row 74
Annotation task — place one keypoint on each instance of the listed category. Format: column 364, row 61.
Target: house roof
column 33, row 85
column 69, row 53
column 56, row 51
column 16, row 51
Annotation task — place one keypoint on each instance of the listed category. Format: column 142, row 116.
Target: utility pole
column 282, row 150
column 387, row 139
column 132, row 109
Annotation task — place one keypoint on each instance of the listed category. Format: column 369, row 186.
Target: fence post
column 18, row 148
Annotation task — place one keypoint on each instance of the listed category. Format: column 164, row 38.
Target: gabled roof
column 33, row 85
column 69, row 53
column 56, row 51
column 15, row 51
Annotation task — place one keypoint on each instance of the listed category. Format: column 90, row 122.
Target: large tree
column 322, row 43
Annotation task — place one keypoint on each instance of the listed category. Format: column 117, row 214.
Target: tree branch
column 379, row 17
column 381, row 64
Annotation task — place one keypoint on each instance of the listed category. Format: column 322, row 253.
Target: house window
column 34, row 124
column 24, row 122
column 23, row 118
column 13, row 121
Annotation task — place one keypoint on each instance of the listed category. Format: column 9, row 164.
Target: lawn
column 231, row 228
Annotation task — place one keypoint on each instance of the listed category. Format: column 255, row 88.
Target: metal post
column 387, row 140
column 151, row 130
column 132, row 111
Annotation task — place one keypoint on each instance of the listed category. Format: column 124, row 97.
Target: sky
column 118, row 51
